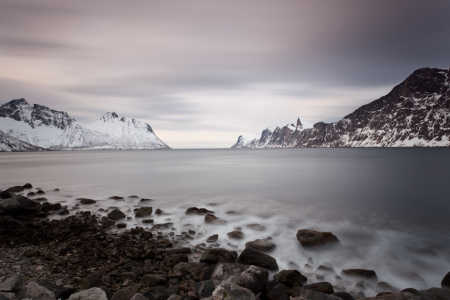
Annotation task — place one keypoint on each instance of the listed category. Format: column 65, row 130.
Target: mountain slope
column 415, row 113
column 43, row 127
column 11, row 144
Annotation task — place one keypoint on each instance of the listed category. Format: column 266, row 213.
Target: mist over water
column 388, row 207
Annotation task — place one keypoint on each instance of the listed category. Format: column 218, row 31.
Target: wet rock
column 143, row 212
column 18, row 204
column 236, row 234
column 437, row 293
column 116, row 214
column 116, row 198
column 86, row 201
column 232, row 292
column 311, row 238
column 64, row 211
column 12, row 283
column 216, row 255
column 275, row 291
column 445, row 283
column 344, row 295
column 368, row 275
column 261, row 245
column 252, row 257
column 256, row 227
column 15, row 189
column 27, row 186
column 56, row 190
column 188, row 268
column 59, row 291
column 36, row 292
column 121, row 225
column 90, row 294
column 204, row 288
column 31, row 253
column 313, row 295
column 30, row 194
column 254, row 278
column 324, row 287
column 198, row 211
column 145, row 200
column 40, row 192
column 325, row 271
column 386, row 287
column 133, row 197
column 157, row 293
column 179, row 250
column 158, row 212
column 224, row 272
column 139, row 296
column 213, row 238
column 148, row 221
column 92, row 280
column 5, row 195
column 397, row 296
column 290, row 277
column 123, row 294
column 172, row 297
column 154, row 279
column 212, row 219
column 232, row 212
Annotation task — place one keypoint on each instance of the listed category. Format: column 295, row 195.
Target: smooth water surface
column 390, row 208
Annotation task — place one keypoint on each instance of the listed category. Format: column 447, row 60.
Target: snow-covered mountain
column 273, row 137
column 11, row 144
column 415, row 113
column 46, row 128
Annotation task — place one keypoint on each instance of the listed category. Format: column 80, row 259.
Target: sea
column 389, row 207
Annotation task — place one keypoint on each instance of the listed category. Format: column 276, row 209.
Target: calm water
column 390, row 208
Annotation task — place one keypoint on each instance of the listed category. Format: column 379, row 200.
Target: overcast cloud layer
column 203, row 72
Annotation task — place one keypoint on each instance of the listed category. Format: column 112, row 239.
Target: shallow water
column 388, row 207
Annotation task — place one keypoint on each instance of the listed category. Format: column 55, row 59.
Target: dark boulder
column 311, row 238
column 261, row 245
column 60, row 292
column 15, row 189
column 86, row 201
column 143, row 212
column 123, row 294
column 368, row 275
column 344, row 295
column 236, row 234
column 204, row 288
column 212, row 219
column 323, row 287
column 445, row 283
column 216, row 255
column 40, row 192
column 252, row 257
column 154, row 279
column 198, row 211
column 275, row 291
column 5, row 195
column 19, row 204
column 437, row 293
column 256, row 227
column 290, row 277
column 116, row 214
column 27, row 186
column 213, row 238
column 12, row 283
column 116, row 198
column 224, row 271
column 254, row 278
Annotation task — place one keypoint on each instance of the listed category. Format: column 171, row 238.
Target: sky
column 203, row 72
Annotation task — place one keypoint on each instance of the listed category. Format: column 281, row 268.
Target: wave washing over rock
column 90, row 251
column 29, row 127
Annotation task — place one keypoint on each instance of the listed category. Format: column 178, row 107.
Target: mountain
column 415, row 113
column 11, row 144
column 43, row 127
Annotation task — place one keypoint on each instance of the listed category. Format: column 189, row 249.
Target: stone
column 212, row 219
column 188, row 268
column 324, row 287
column 252, row 257
column 5, row 195
column 314, row 295
column 36, row 292
column 172, row 297
column 256, row 227
column 123, row 294
column 254, row 278
column 133, row 197
column 121, row 225
column 386, row 287
column 437, row 293
column 153, row 279
column 204, row 288
column 325, row 271
column 186, row 250
column 397, row 296
column 12, row 283
column 261, row 245
column 445, row 283
column 213, row 238
column 226, row 272
column 27, row 186
column 116, row 198
column 198, row 211
column 344, row 295
column 18, row 204
column 59, row 291
column 157, row 293
column 86, row 201
column 236, row 234
column 90, row 294
column 93, row 280
column 311, row 238
column 290, row 277
column 275, row 291
column 216, row 255
column 158, row 212
column 232, row 292
column 15, row 189
column 40, row 192
column 31, row 253
column 139, row 296
column 116, row 214
column 368, row 275
column 143, row 212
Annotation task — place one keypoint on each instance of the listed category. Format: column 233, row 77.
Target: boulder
column 397, row 296
column 216, row 255
column 86, row 201
column 311, row 238
column 325, row 271
column 27, row 186
column 231, row 292
column 313, row 295
column 368, row 275
column 198, row 211
column 212, row 219
column 139, row 296
column 386, row 287
column 40, row 192
column 188, row 268
column 213, row 238
column 256, row 227
column 437, row 293
column 236, row 234
column 157, row 293
column 204, row 288
column 290, row 277
column 116, row 198
column 227, row 272
column 445, row 283
column 254, row 278
column 143, row 212
column 153, row 279
column 15, row 189
column 36, row 292
column 344, row 295
column 116, row 214
column 59, row 291
column 123, row 294
column 12, row 283
column 275, row 291
column 18, row 204
column 324, row 287
column 261, row 245
column 90, row 294
column 252, row 257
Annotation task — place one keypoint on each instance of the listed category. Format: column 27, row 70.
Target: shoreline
column 82, row 251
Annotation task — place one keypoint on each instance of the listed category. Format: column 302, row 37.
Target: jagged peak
column 109, row 116
column 20, row 101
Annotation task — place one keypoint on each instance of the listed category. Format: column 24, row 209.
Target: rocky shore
column 82, row 256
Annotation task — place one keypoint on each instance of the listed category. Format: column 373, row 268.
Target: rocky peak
column 109, row 116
